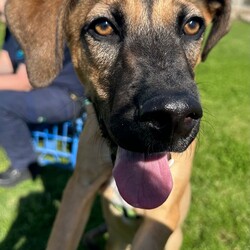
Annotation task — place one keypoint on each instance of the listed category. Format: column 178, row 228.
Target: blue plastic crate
column 58, row 143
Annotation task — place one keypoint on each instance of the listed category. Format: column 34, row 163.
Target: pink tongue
column 144, row 181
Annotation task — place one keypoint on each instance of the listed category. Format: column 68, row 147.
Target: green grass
column 2, row 32
column 220, row 213
column 27, row 211
column 219, row 216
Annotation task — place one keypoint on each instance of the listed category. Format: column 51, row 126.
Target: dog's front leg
column 93, row 169
column 151, row 235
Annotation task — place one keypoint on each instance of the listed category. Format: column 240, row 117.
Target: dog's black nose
column 173, row 114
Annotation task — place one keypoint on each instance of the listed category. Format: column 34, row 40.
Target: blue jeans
column 18, row 109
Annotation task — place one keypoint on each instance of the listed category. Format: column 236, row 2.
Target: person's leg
column 48, row 105
column 14, row 133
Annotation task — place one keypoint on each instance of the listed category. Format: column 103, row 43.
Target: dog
column 136, row 59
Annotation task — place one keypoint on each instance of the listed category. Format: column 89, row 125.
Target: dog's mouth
column 143, row 180
column 144, row 138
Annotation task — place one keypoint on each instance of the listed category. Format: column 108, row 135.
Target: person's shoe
column 34, row 169
column 12, row 176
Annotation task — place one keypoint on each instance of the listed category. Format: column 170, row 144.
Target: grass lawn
column 220, row 211
column 219, row 216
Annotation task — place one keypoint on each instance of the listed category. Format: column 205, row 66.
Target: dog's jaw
column 143, row 180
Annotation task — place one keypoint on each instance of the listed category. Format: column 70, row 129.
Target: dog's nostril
column 194, row 116
column 157, row 119
column 188, row 120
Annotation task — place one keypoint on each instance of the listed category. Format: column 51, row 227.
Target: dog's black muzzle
column 162, row 123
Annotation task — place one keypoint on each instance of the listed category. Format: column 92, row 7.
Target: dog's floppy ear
column 220, row 11
column 38, row 26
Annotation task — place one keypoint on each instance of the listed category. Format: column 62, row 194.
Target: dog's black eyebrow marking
column 186, row 11
column 120, row 20
column 182, row 14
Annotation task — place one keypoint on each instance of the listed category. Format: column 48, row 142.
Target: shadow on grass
column 36, row 212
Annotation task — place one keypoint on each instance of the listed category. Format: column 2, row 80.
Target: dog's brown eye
column 104, row 28
column 191, row 28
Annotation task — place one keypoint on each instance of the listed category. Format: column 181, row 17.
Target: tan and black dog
column 136, row 59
